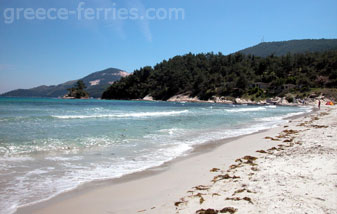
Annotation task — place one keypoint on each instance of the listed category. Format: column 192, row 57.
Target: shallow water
column 48, row 146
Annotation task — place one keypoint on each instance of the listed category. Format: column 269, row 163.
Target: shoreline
column 296, row 176
column 125, row 185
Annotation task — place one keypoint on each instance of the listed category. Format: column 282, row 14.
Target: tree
column 78, row 91
column 207, row 75
column 80, row 85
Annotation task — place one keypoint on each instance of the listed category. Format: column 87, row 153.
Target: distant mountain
column 96, row 83
column 293, row 46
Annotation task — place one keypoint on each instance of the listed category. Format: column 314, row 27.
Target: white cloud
column 143, row 24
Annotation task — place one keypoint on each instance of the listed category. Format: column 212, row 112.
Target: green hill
column 96, row 83
column 293, row 46
column 235, row 75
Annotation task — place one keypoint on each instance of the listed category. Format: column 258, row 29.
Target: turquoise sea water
column 48, row 146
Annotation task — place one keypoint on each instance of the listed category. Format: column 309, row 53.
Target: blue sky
column 37, row 52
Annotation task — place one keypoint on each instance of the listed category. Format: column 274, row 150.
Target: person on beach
column 319, row 104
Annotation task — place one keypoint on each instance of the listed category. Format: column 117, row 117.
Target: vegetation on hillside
column 235, row 75
column 78, row 91
column 265, row 49
column 103, row 80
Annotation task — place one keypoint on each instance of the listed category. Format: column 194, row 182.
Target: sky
column 49, row 50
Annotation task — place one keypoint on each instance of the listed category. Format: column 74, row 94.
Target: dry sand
column 298, row 175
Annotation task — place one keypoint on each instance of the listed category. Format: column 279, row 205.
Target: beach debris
column 271, row 149
column 290, row 131
column 249, row 160
column 230, row 210
column 208, row 211
column 214, row 170
column 201, row 187
column 241, row 190
column 224, row 177
column 319, row 127
column 281, row 136
column 201, row 200
column 190, row 191
column 321, row 199
column 261, row 151
column 215, row 194
column 303, row 124
column 234, row 166
column 288, row 140
column 239, row 199
column 238, row 160
column 238, row 191
column 182, row 200
column 140, row 211
column 290, row 145
column 271, row 138
column 233, row 199
column 247, row 199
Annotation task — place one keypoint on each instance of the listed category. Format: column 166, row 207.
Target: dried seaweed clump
column 214, row 170
column 230, row 210
column 208, row 211
column 224, row 177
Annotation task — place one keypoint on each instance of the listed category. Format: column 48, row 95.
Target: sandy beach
column 288, row 169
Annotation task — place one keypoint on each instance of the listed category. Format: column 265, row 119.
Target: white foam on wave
column 171, row 131
column 246, row 109
column 269, row 119
column 293, row 114
column 39, row 171
column 230, row 133
column 16, row 159
column 80, row 174
column 126, row 115
column 74, row 158
column 283, row 117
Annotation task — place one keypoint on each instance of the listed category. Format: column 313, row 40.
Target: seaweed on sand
column 230, row 210
column 208, row 211
column 241, row 191
column 239, row 199
column 271, row 138
column 201, row 198
column 201, row 187
column 249, row 160
column 214, row 170
column 224, row 177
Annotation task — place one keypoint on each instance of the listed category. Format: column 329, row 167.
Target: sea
column 50, row 146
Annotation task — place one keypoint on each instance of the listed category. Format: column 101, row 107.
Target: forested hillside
column 96, row 83
column 235, row 75
column 293, row 46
